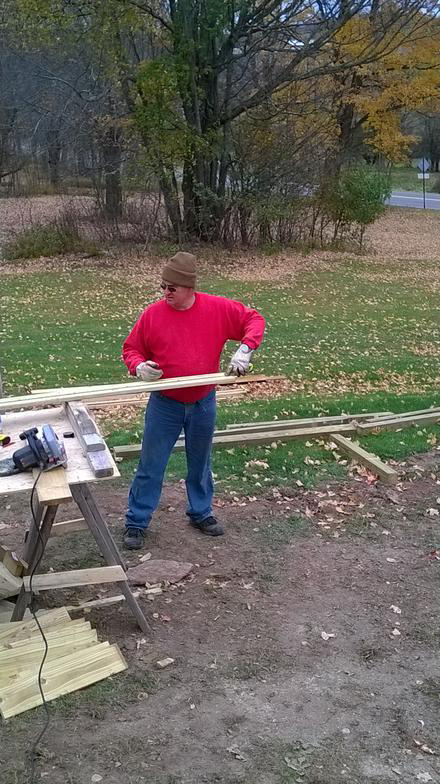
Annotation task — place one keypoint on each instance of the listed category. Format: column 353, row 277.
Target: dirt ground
column 305, row 645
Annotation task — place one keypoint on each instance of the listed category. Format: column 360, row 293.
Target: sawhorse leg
column 106, row 544
column 35, row 546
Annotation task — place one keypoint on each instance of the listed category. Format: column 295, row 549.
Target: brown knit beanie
column 181, row 270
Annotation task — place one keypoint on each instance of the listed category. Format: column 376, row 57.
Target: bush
column 353, row 201
column 434, row 183
column 48, row 240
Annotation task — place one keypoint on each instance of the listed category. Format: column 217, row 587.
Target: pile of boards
column 75, row 659
column 338, row 429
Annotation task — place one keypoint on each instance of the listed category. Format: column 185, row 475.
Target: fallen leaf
column 236, row 752
column 96, row 777
column 396, row 633
column 162, row 663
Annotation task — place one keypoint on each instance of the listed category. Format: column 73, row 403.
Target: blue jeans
column 164, row 420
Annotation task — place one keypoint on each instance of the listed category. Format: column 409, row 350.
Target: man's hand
column 240, row 362
column 149, row 371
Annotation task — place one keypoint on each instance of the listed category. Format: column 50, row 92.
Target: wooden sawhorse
column 36, row 542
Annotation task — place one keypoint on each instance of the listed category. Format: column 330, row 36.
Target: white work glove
column 240, row 362
column 149, row 371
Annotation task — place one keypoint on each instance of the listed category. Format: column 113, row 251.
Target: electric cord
column 33, row 751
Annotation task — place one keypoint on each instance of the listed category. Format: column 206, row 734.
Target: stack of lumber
column 12, row 569
column 103, row 391
column 75, row 659
column 336, row 428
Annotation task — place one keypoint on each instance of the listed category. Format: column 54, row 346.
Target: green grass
column 405, row 178
column 357, row 336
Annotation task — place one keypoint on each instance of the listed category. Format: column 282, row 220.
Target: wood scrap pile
column 344, row 425
column 75, row 659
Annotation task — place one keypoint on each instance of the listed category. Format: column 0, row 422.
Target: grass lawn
column 355, row 336
column 405, row 178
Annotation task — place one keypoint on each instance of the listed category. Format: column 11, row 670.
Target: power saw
column 46, row 452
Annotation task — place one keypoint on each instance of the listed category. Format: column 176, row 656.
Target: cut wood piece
column 399, row 422
column 284, row 424
column 84, row 427
column 62, row 676
column 16, row 630
column 68, row 527
column 101, row 574
column 388, row 475
column 13, row 563
column 9, row 584
column 131, row 451
column 52, row 486
column 101, row 602
column 107, row 390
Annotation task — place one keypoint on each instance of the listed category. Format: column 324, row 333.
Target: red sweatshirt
column 189, row 342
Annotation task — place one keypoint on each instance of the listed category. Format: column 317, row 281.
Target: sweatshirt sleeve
column 243, row 324
column 135, row 347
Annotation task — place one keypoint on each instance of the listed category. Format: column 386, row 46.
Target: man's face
column 178, row 297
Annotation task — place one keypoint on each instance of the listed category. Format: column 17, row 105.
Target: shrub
column 354, row 200
column 48, row 240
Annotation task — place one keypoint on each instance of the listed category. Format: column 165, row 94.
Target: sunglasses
column 165, row 286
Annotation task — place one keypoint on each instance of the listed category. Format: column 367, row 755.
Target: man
column 183, row 335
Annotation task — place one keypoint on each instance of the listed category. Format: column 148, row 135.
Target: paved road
column 414, row 199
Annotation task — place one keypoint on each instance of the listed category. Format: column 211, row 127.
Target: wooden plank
column 74, row 630
column 250, row 378
column 398, row 423
column 62, row 676
column 52, row 486
column 68, row 527
column 18, row 664
column 54, row 398
column 388, row 475
column 9, row 584
column 101, row 602
column 100, row 461
column 226, row 395
column 57, row 580
column 284, row 424
column 131, row 451
column 16, row 630
column 84, row 428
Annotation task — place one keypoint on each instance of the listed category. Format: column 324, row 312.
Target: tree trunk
column 54, row 148
column 111, row 145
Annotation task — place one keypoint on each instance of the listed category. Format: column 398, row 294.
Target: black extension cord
column 33, row 751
